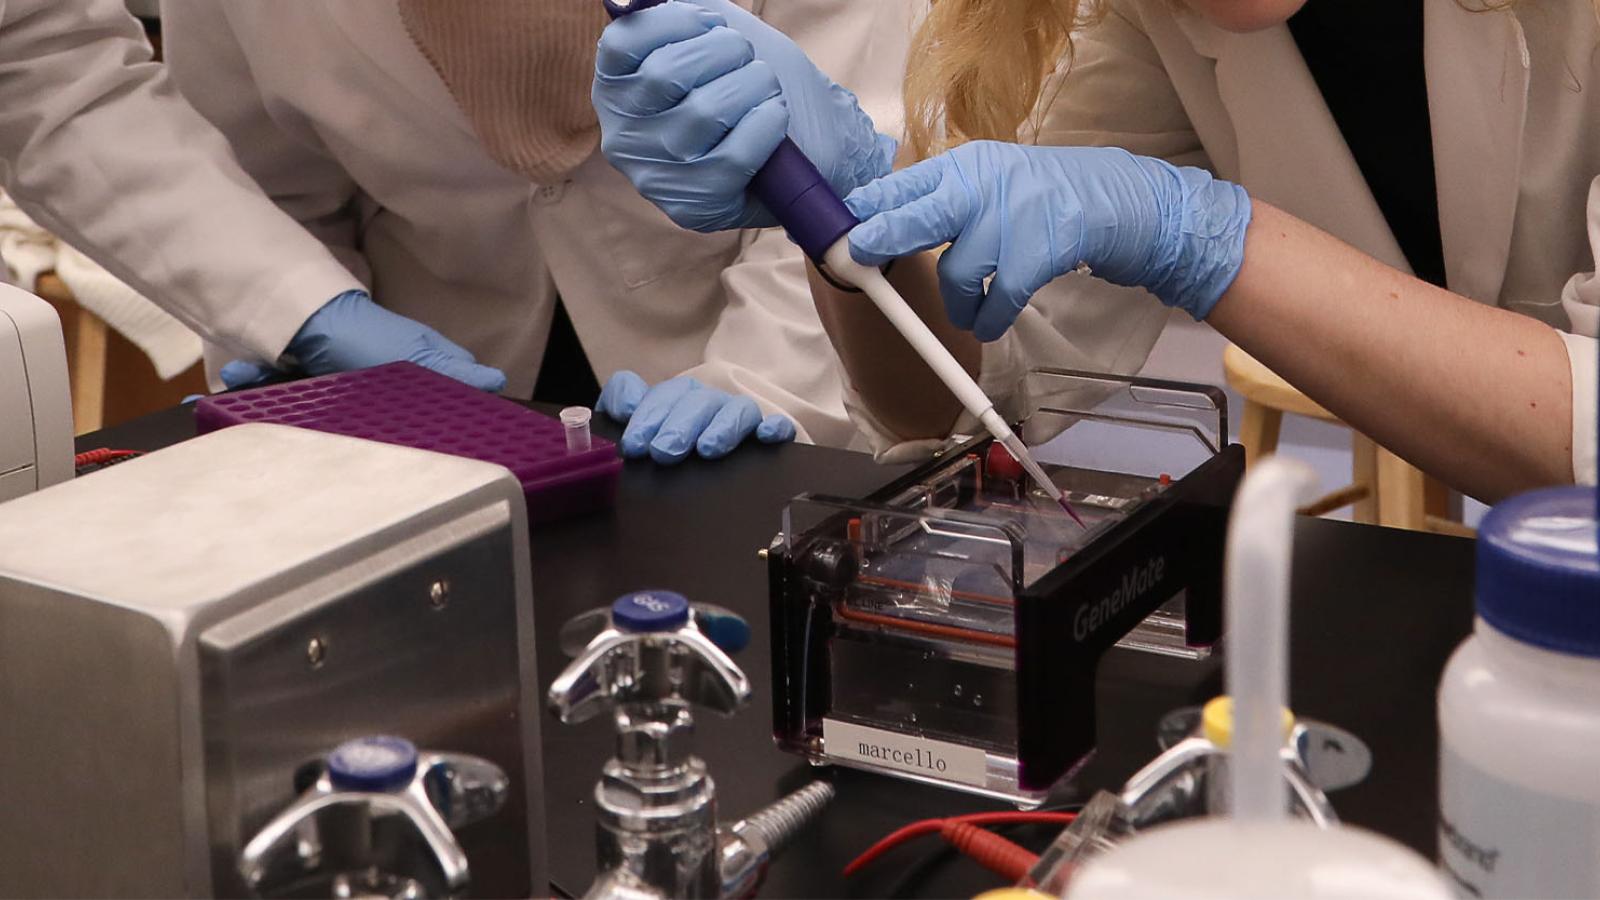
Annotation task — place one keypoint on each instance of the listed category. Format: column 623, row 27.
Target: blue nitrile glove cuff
column 1201, row 248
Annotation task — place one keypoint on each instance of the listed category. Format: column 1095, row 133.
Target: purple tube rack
column 405, row 404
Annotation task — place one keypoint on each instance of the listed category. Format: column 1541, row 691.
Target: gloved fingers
column 750, row 143
column 627, row 42
column 704, row 120
column 683, row 426
column 896, row 189
column 447, row 357
column 923, row 223
column 776, row 429
column 734, row 161
column 672, row 73
column 436, row 341
column 1015, row 282
column 651, row 412
column 242, row 373
column 963, row 269
column 621, row 395
column 463, row 369
column 995, row 317
column 734, row 422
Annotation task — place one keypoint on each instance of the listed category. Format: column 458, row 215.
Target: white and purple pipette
column 803, row 202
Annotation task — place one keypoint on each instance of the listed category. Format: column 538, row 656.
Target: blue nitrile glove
column 353, row 332
column 681, row 414
column 1028, row 215
column 694, row 95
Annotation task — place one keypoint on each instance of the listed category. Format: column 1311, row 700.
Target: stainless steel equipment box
column 181, row 633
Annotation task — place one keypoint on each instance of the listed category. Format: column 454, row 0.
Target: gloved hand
column 353, row 332
column 681, row 414
column 1028, row 215
column 694, row 95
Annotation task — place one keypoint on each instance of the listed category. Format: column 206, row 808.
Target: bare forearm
column 1478, row 396
column 892, row 380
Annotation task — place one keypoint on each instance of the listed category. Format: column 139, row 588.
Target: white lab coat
column 1514, row 102
column 341, row 119
column 98, row 148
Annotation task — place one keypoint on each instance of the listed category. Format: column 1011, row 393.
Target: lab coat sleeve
column 1581, row 298
column 1116, row 93
column 278, row 148
column 99, row 149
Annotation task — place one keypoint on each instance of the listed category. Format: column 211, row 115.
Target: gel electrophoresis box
column 405, row 404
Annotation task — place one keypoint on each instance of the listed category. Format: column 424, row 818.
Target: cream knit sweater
column 520, row 70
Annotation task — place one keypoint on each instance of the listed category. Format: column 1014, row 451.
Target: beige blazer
column 337, row 114
column 1514, row 107
column 1514, row 103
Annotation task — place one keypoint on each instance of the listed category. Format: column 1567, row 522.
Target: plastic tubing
column 1259, row 561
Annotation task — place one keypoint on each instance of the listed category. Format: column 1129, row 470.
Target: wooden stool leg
column 1364, row 469
column 1400, row 493
column 1258, row 431
column 88, row 373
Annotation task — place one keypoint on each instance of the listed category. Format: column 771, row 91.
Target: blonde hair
column 980, row 65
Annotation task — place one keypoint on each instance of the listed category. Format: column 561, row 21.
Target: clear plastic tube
column 575, row 419
column 1260, row 556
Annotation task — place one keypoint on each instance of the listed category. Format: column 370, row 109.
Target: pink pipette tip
column 1071, row 512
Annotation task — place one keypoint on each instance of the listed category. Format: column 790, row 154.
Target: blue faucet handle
column 722, row 626
column 377, row 763
column 726, row 628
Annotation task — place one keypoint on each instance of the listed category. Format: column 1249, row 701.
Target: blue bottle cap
column 377, row 763
column 1539, row 570
column 646, row 611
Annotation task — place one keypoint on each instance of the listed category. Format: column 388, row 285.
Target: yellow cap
column 1216, row 722
column 1013, row 893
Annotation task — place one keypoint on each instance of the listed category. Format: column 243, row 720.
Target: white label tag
column 1497, row 839
column 903, row 753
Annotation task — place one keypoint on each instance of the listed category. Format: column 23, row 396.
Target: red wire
column 103, row 455
column 933, row 826
column 995, row 853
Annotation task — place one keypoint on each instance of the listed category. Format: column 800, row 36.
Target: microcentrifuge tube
column 575, row 419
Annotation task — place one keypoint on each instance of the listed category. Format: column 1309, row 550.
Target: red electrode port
column 1001, row 464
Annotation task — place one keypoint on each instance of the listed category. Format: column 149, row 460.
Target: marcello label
column 904, row 753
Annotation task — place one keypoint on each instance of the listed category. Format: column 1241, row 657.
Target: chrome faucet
column 328, row 833
column 649, row 664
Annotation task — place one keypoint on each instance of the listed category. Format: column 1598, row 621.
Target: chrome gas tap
column 650, row 665
column 361, row 787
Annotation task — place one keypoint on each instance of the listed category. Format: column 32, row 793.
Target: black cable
column 915, row 876
column 557, row 890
